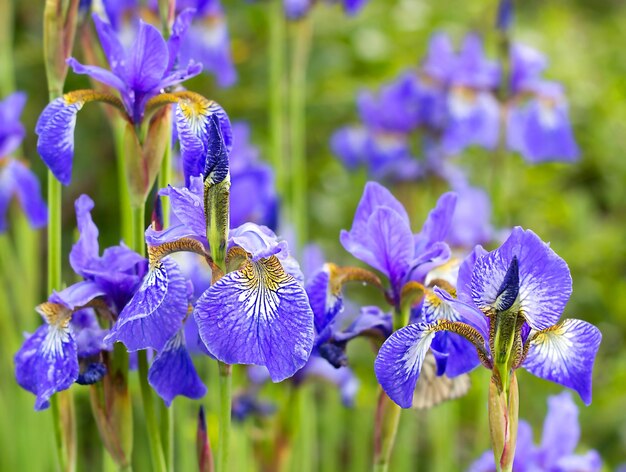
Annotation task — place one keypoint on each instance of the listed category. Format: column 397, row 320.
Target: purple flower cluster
column 453, row 99
column 16, row 179
column 68, row 347
column 296, row 9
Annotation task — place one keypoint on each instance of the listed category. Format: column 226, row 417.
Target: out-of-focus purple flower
column 471, row 221
column 12, row 132
column 250, row 176
column 343, row 377
column 16, row 179
column 473, row 111
column 381, row 237
column 539, row 129
column 525, row 282
column 247, row 403
column 527, row 65
column 386, row 155
column 395, row 108
column 207, row 41
column 119, row 10
column 556, row 453
column 296, row 9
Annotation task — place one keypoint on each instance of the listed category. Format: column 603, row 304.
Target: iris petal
column 86, row 248
column 29, row 193
column 400, row 360
column 200, row 138
column 55, row 129
column 544, row 278
column 47, row 363
column 172, row 372
column 565, row 354
column 258, row 315
column 156, row 311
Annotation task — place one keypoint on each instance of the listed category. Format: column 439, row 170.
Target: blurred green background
column 580, row 209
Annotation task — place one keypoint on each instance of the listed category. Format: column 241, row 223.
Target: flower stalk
column 503, row 420
column 276, row 92
column 297, row 117
column 59, row 29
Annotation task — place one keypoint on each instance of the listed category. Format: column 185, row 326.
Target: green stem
column 387, row 412
column 7, row 73
column 154, row 437
column 126, row 214
column 385, row 431
column 223, row 444
column 165, row 179
column 297, row 109
column 277, row 29
column 167, row 434
column 306, row 453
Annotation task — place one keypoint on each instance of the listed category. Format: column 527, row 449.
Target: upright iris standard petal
column 156, row 311
column 545, row 283
column 55, row 129
column 324, row 302
column 258, row 315
column 172, row 372
column 390, row 244
column 400, row 360
column 380, row 235
column 188, row 205
column 47, row 363
column 565, row 354
column 437, row 223
column 86, row 248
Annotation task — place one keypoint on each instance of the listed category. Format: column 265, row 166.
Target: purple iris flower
column 250, row 176
column 208, row 41
column 539, row 129
column 296, row 9
column 12, row 132
column 61, row 351
column 471, row 221
column 139, row 73
column 385, row 154
column 473, row 111
column 556, row 453
column 146, row 67
column 381, row 237
column 250, row 315
column 119, row 10
column 16, row 179
column 259, row 314
column 524, row 282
